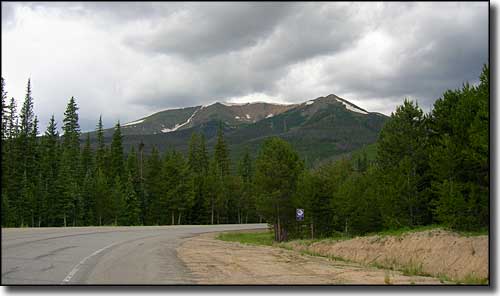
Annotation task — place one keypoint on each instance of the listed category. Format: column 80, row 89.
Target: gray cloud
column 210, row 29
column 129, row 59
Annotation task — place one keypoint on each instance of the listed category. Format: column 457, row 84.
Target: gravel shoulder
column 212, row 261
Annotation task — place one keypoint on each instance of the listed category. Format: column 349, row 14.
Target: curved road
column 99, row 255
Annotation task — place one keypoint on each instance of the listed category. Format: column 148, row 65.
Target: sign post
column 299, row 214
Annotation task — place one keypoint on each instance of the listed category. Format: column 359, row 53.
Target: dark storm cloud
column 211, row 28
column 442, row 53
column 140, row 57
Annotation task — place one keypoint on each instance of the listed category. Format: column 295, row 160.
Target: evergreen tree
column 132, row 206
column 459, row 160
column 222, row 165
column 100, row 150
column 118, row 205
column 132, row 171
column 403, row 160
column 49, row 168
column 277, row 171
column 198, row 165
column 89, row 199
column 87, row 157
column 70, row 171
column 117, row 161
column 27, row 136
column 153, row 188
column 102, row 198
column 247, row 199
column 4, row 112
column 221, row 154
column 178, row 194
column 5, row 152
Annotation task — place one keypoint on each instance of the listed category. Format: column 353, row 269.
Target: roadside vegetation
column 265, row 238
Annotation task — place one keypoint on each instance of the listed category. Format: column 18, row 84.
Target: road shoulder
column 212, row 261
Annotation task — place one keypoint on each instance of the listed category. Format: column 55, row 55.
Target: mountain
column 180, row 119
column 319, row 129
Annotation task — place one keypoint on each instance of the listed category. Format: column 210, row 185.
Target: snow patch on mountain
column 309, row 102
column 134, row 122
column 351, row 107
column 270, row 115
column 233, row 104
column 178, row 126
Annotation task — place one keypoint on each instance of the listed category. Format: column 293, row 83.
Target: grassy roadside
column 266, row 238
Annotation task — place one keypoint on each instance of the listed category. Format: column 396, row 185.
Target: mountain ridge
column 318, row 129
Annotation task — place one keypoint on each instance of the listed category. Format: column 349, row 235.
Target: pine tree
column 117, row 168
column 222, row 165
column 278, row 168
column 132, row 170
column 221, row 154
column 27, row 114
column 88, row 199
column 153, row 188
column 11, row 126
column 102, row 198
column 198, row 165
column 100, row 150
column 12, row 168
column 403, row 160
column 178, row 195
column 118, row 202
column 132, row 208
column 247, row 199
column 49, row 168
column 70, row 171
column 3, row 138
column 460, row 156
column 27, row 135
column 87, row 157
column 4, row 112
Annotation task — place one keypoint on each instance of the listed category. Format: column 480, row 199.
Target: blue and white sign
column 299, row 214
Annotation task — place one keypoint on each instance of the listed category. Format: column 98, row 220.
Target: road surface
column 99, row 255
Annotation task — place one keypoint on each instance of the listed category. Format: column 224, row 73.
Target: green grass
column 472, row 279
column 253, row 238
column 474, row 233
column 404, row 230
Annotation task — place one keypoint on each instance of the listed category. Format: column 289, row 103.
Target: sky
column 126, row 60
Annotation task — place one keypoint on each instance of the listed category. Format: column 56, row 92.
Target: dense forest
column 429, row 169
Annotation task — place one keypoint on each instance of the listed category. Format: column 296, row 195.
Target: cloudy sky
column 127, row 60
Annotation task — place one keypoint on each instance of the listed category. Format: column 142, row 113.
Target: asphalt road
column 99, row 255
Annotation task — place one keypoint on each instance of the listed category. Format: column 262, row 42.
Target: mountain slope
column 319, row 129
column 184, row 118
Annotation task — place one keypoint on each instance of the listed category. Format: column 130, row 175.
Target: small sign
column 299, row 214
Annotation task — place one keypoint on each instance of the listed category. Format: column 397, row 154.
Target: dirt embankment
column 213, row 261
column 436, row 252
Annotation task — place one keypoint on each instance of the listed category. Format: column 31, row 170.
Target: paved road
column 99, row 255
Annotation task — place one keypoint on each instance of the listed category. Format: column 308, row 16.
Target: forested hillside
column 320, row 130
column 426, row 169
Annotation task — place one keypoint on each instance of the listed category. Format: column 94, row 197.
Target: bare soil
column 213, row 261
column 435, row 252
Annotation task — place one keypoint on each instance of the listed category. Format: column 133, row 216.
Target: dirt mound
column 435, row 252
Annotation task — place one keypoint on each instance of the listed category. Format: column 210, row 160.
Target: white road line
column 75, row 269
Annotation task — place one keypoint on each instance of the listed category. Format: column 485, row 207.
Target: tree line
column 53, row 180
column 429, row 169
